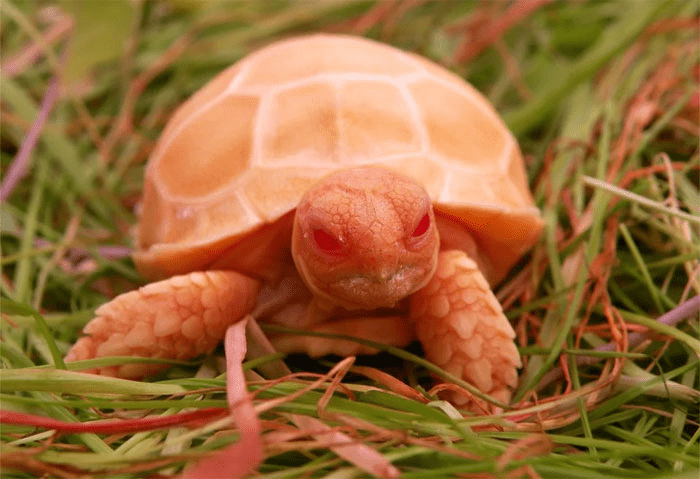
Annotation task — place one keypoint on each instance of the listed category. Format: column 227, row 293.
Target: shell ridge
column 293, row 162
column 341, row 139
column 505, row 158
column 506, row 161
column 237, row 79
column 261, row 115
column 444, row 196
column 274, row 89
column 415, row 76
column 246, row 204
column 489, row 206
column 416, row 117
column 334, row 78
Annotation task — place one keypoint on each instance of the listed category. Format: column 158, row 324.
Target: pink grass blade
column 18, row 168
column 242, row 458
column 349, row 449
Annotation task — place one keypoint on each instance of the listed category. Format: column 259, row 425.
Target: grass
column 603, row 97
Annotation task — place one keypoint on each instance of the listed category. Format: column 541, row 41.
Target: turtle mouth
column 378, row 291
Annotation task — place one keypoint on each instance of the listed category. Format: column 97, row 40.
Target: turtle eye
column 326, row 241
column 422, row 227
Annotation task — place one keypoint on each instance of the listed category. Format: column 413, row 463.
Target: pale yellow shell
column 242, row 151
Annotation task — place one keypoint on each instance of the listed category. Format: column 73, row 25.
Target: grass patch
column 603, row 97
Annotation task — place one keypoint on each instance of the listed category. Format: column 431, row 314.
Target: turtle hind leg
column 177, row 318
column 463, row 329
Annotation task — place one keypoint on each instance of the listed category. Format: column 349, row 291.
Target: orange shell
column 243, row 150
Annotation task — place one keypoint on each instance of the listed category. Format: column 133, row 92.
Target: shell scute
column 271, row 203
column 210, row 152
column 376, row 122
column 454, row 120
column 300, row 126
column 297, row 59
column 198, row 100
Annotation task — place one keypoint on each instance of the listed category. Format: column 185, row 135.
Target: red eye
column 325, row 240
column 422, row 227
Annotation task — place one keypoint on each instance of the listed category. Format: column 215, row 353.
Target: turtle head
column 365, row 238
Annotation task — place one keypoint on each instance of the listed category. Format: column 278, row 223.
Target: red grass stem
column 117, row 426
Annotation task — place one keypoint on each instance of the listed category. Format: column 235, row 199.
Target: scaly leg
column 177, row 318
column 463, row 329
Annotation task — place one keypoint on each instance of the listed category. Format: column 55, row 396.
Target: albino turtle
column 333, row 184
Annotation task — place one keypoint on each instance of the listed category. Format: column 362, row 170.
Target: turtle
column 333, row 184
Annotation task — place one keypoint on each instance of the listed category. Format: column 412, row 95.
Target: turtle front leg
column 462, row 328
column 177, row 318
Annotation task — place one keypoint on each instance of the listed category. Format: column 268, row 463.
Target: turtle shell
column 240, row 153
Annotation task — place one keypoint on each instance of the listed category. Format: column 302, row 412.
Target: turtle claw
column 177, row 318
column 463, row 329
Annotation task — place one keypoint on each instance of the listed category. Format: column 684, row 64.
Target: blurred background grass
column 601, row 94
